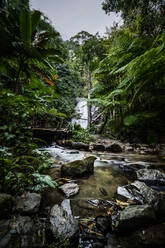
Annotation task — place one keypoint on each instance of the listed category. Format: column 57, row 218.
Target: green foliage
column 79, row 134
column 42, row 181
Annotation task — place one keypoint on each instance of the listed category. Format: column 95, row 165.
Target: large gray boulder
column 62, row 223
column 133, row 217
column 151, row 177
column 6, row 204
column 28, row 203
column 78, row 167
column 139, row 193
column 69, row 189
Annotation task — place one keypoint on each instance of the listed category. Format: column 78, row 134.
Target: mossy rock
column 78, row 168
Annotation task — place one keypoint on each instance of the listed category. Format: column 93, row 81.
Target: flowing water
column 102, row 185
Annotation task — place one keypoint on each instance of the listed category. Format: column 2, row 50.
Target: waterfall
column 82, row 110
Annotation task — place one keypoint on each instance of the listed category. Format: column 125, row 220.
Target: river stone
column 103, row 223
column 28, row 203
column 139, row 192
column 78, row 167
column 69, row 189
column 19, row 232
column 6, row 204
column 133, row 217
column 114, row 148
column 62, row 223
column 80, row 146
column 98, row 147
column 151, row 177
column 133, row 167
column 66, row 206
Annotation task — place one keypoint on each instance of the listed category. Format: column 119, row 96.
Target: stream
column 109, row 173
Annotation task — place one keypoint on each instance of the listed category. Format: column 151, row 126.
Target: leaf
column 120, row 203
column 35, row 18
column 44, row 180
column 25, row 26
column 129, row 120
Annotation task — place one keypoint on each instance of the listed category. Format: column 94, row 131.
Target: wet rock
column 74, row 145
column 103, row 223
column 5, row 235
column 128, row 148
column 28, row 203
column 133, row 217
column 80, row 146
column 69, row 189
column 78, row 167
column 133, row 167
column 66, row 206
column 98, row 147
column 62, row 223
column 20, row 232
column 114, row 148
column 151, row 177
column 6, row 204
column 138, row 192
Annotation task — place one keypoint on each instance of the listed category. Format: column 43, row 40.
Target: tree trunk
column 89, row 96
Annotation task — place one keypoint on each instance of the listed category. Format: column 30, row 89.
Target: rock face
column 133, row 217
column 151, row 177
column 69, row 189
column 78, row 167
column 6, row 204
column 28, row 203
column 62, row 223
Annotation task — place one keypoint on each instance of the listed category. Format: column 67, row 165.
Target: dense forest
column 41, row 76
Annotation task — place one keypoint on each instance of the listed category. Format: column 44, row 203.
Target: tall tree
column 145, row 17
column 87, row 48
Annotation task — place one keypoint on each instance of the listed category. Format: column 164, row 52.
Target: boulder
column 69, row 189
column 151, row 177
column 103, row 224
column 133, row 167
column 28, row 203
column 134, row 217
column 114, row 148
column 20, row 232
column 98, row 147
column 62, row 223
column 6, row 204
column 80, row 146
column 78, row 167
column 139, row 192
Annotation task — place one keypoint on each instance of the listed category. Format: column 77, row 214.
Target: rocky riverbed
column 104, row 199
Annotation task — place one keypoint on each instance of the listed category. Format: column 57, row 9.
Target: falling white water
column 82, row 110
